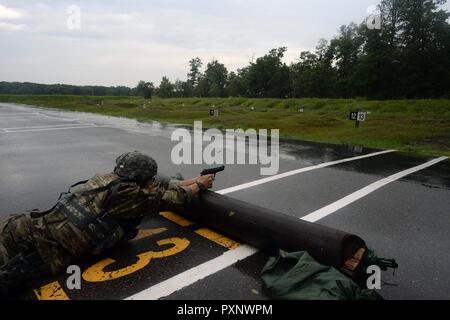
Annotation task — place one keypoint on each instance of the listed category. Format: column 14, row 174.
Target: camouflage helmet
column 135, row 166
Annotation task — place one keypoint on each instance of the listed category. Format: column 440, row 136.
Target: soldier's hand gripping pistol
column 212, row 171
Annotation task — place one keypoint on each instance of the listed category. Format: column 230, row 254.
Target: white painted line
column 52, row 129
column 18, row 114
column 50, row 126
column 56, row 117
column 189, row 277
column 329, row 209
column 294, row 172
column 165, row 288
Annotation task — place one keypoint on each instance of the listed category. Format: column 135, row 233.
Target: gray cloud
column 121, row 42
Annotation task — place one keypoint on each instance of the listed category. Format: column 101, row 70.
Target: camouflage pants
column 27, row 251
column 12, row 245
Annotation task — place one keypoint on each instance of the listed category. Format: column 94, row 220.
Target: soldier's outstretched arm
column 176, row 197
column 189, row 182
column 209, row 179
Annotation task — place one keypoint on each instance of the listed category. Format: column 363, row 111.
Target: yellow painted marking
column 218, row 238
column 51, row 291
column 144, row 233
column 96, row 272
column 176, row 218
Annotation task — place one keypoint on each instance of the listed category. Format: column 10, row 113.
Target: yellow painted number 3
column 97, row 273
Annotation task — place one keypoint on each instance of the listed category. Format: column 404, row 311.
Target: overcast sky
column 122, row 42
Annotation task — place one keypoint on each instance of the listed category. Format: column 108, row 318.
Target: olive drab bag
column 298, row 276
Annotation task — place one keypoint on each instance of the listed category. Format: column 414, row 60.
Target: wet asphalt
column 44, row 151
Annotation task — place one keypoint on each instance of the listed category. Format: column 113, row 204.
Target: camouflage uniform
column 58, row 242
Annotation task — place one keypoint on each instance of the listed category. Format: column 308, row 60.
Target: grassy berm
column 420, row 126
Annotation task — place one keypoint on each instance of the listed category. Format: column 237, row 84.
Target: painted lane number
column 96, row 272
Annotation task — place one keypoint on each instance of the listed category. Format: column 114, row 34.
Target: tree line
column 63, row 89
column 407, row 57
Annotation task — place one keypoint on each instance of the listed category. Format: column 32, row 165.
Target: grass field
column 421, row 126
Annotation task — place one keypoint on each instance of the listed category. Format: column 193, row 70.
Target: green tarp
column 297, row 276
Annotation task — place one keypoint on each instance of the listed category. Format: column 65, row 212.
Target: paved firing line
column 189, row 277
column 227, row 259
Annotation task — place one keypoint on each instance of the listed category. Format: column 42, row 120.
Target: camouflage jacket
column 131, row 204
column 134, row 201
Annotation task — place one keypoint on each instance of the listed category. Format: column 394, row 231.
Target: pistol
column 212, row 170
